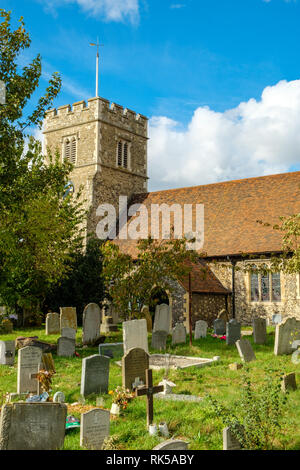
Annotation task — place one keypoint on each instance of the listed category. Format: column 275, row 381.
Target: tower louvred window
column 67, row 149
column 125, row 155
column 73, row 151
column 120, row 153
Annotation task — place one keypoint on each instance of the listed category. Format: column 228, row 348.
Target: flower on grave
column 121, row 396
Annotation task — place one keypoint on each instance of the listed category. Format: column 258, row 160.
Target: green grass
column 194, row 422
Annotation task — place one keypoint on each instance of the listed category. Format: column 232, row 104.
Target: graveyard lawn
column 193, row 422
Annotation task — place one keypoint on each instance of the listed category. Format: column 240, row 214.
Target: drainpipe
column 233, row 263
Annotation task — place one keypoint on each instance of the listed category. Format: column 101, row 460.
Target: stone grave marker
column 59, row 397
column 94, row 428
column 52, row 323
column 162, row 318
column 32, row 426
column 68, row 333
column 91, row 322
column 29, row 362
column 286, row 332
column 245, row 350
column 135, row 335
column 94, row 375
column 224, row 315
column 159, row 340
column 179, row 334
column 7, row 353
column 259, row 330
column 200, row 329
column 276, row 319
column 229, row 441
column 111, row 349
column 172, row 444
column 219, row 327
column 108, row 325
column 134, row 364
column 233, row 331
column 65, row 347
column 68, row 318
column 146, row 313
column 289, row 382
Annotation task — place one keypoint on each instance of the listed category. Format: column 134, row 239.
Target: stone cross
column 149, row 391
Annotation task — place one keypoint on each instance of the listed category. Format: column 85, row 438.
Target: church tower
column 107, row 146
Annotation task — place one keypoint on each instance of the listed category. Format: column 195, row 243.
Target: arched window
column 264, row 286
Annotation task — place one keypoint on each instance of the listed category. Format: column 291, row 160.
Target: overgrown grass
column 194, row 422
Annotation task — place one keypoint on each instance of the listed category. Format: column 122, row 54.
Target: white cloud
column 255, row 138
column 109, row 10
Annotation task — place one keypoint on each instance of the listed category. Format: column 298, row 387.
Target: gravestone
column 108, row 325
column 245, row 350
column 65, row 347
column 29, row 362
column 179, row 334
column 276, row 319
column 200, row 329
column 94, row 428
column 229, row 441
column 7, row 353
column 52, row 323
column 223, row 314
column 111, row 349
column 162, row 318
column 68, row 318
column 172, row 444
column 91, row 322
column 286, row 332
column 146, row 313
column 233, row 331
column 32, row 426
column 289, row 382
column 94, row 375
column 159, row 340
column 259, row 330
column 219, row 327
column 134, row 364
column 59, row 397
column 135, row 335
column 68, row 333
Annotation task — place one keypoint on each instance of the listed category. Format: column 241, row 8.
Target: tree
column 39, row 226
column 129, row 281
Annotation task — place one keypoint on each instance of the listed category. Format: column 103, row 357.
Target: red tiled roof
column 203, row 280
column 231, row 211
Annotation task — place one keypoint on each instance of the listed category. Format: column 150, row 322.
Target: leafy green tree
column 39, row 226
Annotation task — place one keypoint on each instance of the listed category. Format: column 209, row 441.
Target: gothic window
column 123, row 154
column 73, row 150
column 70, row 150
column 265, row 287
column 254, row 287
column 276, row 289
column 67, row 149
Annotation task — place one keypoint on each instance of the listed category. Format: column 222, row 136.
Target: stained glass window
column 254, row 287
column 276, row 288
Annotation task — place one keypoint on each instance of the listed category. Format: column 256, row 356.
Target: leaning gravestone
column 135, row 335
column 52, row 323
column 68, row 333
column 7, row 353
column 179, row 334
column 200, row 329
column 94, row 428
column 172, row 444
column 219, row 327
column 162, row 318
column 245, row 350
column 286, row 332
column 259, row 330
column 94, row 375
column 233, row 331
column 91, row 322
column 65, row 347
column 134, row 364
column 29, row 362
column 159, row 340
column 68, row 317
column 32, row 426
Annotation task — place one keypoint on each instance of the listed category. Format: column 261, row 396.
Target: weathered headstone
column 259, row 330
column 159, row 340
column 233, row 331
column 200, row 329
column 94, row 375
column 29, row 362
column 135, row 335
column 91, row 322
column 286, row 332
column 111, row 349
column 32, row 426
column 179, row 334
column 162, row 318
column 108, row 325
column 134, row 364
column 245, row 350
column 68, row 317
column 52, row 323
column 219, row 327
column 67, row 332
column 146, row 313
column 229, row 441
column 7, row 353
column 289, row 382
column 172, row 444
column 94, row 428
column 65, row 347
column 59, row 397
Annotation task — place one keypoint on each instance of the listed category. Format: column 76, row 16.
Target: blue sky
column 196, row 68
